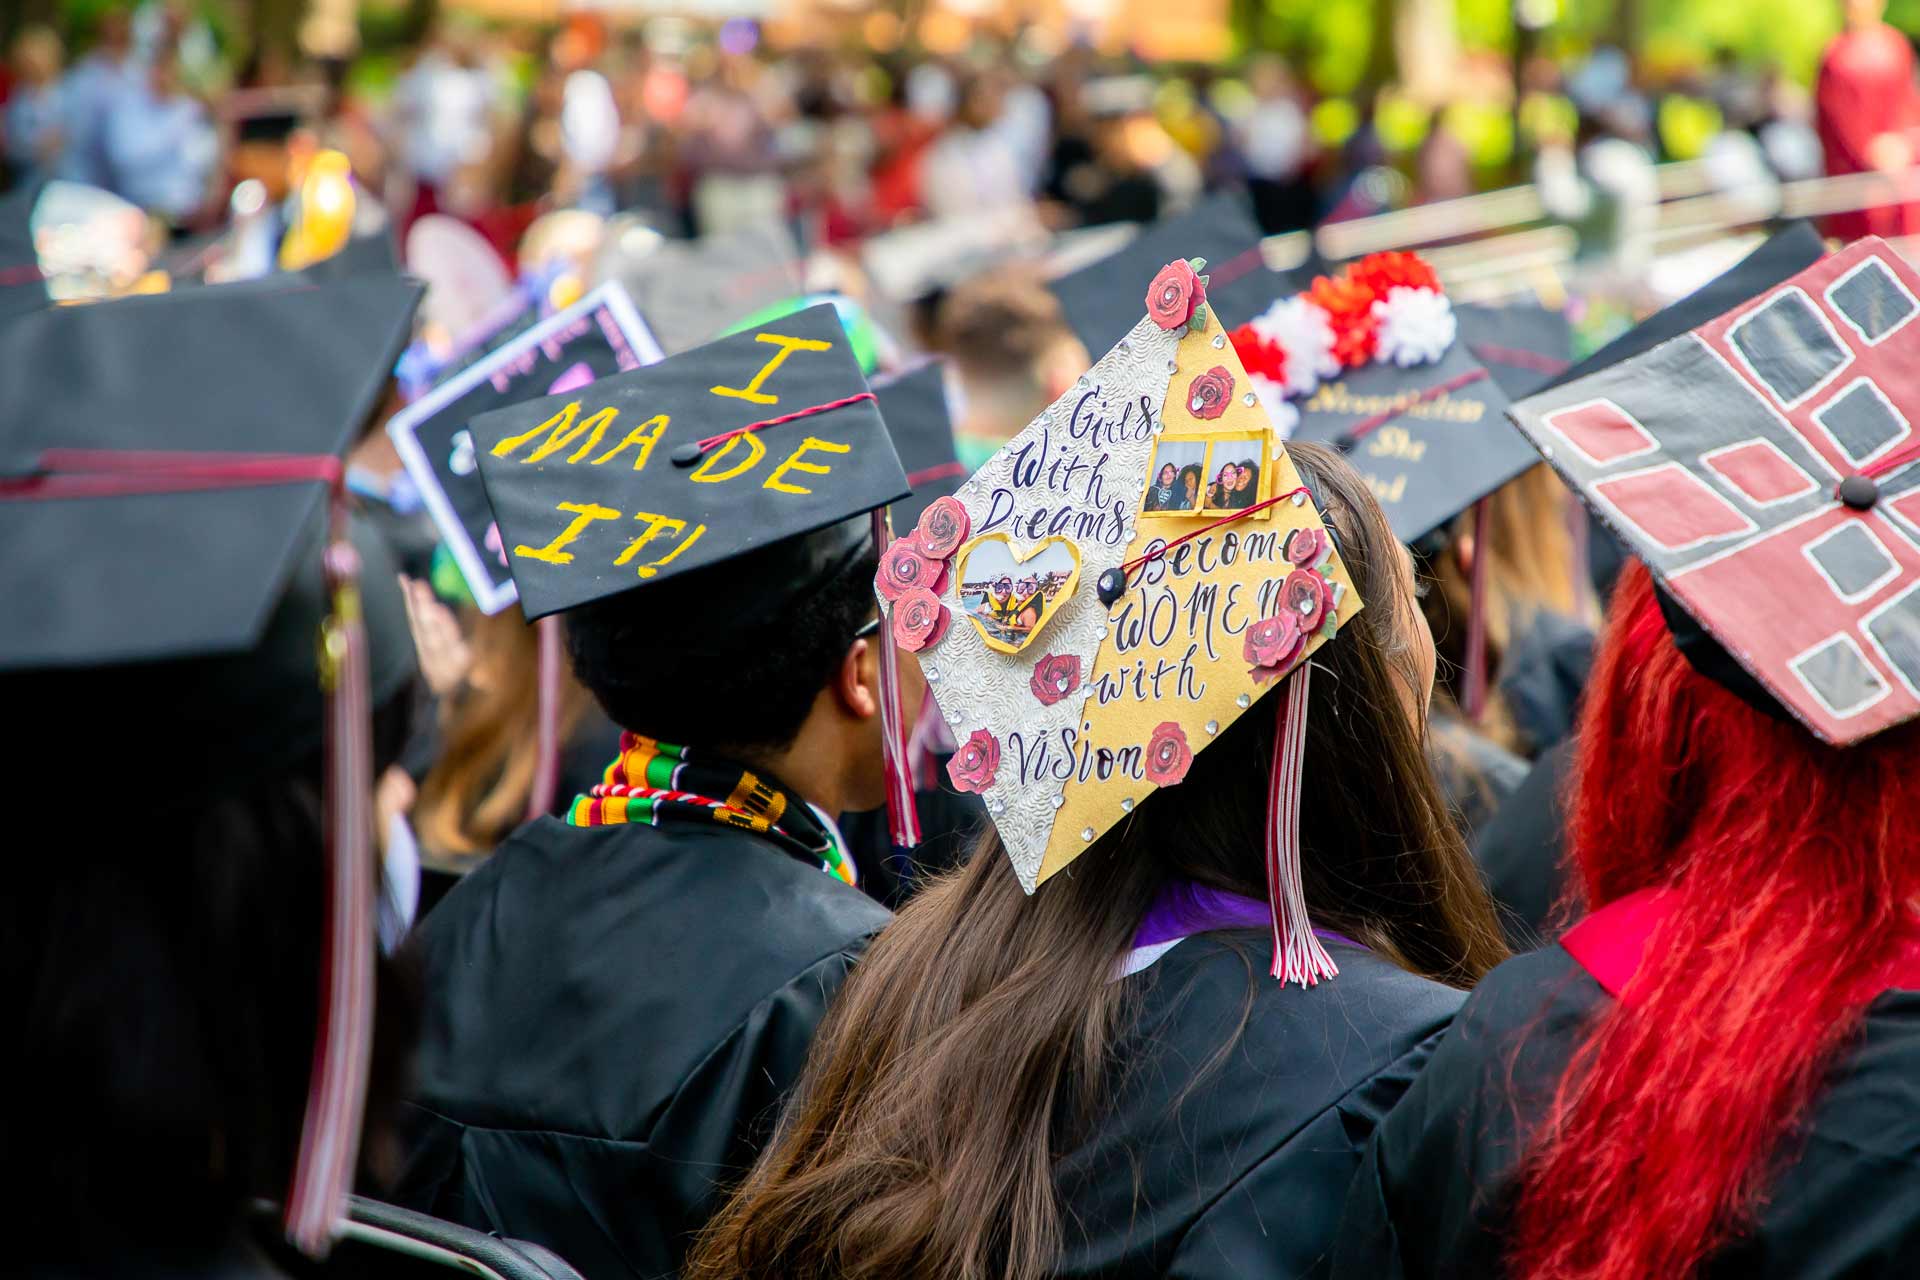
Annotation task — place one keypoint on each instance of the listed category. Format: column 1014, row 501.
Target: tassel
column 1298, row 955
column 1474, row 696
column 546, row 755
column 931, row 739
column 336, row 1096
column 903, row 823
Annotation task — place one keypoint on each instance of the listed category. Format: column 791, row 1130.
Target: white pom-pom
column 1303, row 333
column 1273, row 398
column 1416, row 326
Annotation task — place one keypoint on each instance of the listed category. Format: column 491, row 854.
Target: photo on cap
column 1180, row 478
column 1010, row 598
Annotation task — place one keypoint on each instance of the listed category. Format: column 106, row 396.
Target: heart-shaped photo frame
column 1009, row 598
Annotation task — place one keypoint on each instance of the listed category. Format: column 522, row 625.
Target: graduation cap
column 23, row 287
column 1099, row 299
column 1522, row 344
column 186, row 586
column 1034, row 583
column 597, row 336
column 691, row 291
column 1761, row 464
column 703, row 457
column 914, row 405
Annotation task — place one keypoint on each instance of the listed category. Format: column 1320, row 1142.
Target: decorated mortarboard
column 1068, row 602
column 1523, row 344
column 1098, row 298
column 1762, row 465
column 703, row 457
column 1370, row 361
column 465, row 278
column 692, row 291
column 65, row 241
column 185, row 575
column 598, row 336
column 914, row 405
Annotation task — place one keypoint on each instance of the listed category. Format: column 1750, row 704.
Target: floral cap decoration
column 1082, row 655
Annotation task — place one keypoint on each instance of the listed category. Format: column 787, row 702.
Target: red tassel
column 903, row 822
column 1474, row 696
column 336, row 1096
column 546, row 755
column 1298, row 955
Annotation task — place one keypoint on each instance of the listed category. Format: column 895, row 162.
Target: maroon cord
column 795, row 416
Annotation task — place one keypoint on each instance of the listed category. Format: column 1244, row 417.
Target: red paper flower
column 1273, row 642
column 1209, row 394
column 1259, row 353
column 1173, row 295
column 1379, row 272
column 943, row 526
column 1305, row 595
column 1168, row 755
column 903, row 568
column 919, row 620
column 1054, row 677
column 975, row 763
column 1306, row 548
column 1349, row 310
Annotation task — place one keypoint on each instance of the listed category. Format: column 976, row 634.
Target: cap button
column 1112, row 585
column 1858, row 492
column 685, row 455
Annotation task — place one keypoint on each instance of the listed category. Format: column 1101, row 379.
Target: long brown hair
column 970, row 1044
column 1530, row 568
column 477, row 790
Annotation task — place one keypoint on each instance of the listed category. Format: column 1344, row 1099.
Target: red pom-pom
column 1259, row 353
column 1349, row 309
column 1379, row 272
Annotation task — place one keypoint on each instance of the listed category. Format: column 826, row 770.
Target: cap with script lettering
column 1763, row 466
column 703, row 458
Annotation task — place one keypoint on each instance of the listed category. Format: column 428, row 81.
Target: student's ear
column 856, row 685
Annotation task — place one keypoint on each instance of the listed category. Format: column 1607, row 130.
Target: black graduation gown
column 1522, row 850
column 1239, row 1168
column 1435, row 1194
column 613, row 1016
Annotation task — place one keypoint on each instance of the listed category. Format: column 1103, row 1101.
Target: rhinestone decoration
column 1213, row 727
column 1059, row 800
column 1126, row 805
column 1173, row 366
column 1243, row 702
column 1219, row 341
column 996, row 808
column 1086, row 833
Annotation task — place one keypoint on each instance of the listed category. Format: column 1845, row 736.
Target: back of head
column 899, row 1155
column 1793, row 885
column 1010, row 342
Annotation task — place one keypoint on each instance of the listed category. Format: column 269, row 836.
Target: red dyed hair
column 1794, row 895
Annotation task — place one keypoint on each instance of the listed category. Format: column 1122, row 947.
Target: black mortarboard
column 708, row 456
column 1102, row 301
column 914, row 405
column 1522, row 344
column 23, row 288
column 1762, row 465
column 1431, row 440
column 693, row 290
column 204, row 594
column 595, row 337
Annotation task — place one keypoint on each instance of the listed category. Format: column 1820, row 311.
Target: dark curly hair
column 683, row 660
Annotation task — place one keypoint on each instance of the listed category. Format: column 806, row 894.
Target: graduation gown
column 1522, row 850
column 1238, row 1166
column 1436, row 1192
column 613, row 1017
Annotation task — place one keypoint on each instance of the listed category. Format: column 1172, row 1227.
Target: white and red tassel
column 903, row 821
column 329, row 1150
column 1298, row 955
column 546, row 751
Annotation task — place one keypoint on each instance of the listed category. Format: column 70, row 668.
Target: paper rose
column 1173, row 295
column 1381, row 273
column 1209, row 394
column 1416, row 326
column 1273, row 642
column 1305, row 595
column 943, row 526
column 1054, row 677
column 919, row 619
column 1349, row 311
column 976, row 762
column 902, row 568
column 1168, row 755
column 1308, row 548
